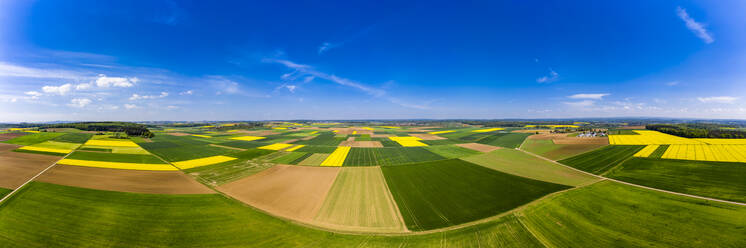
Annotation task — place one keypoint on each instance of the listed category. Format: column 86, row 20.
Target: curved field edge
column 610, row 214
column 721, row 180
column 75, row 217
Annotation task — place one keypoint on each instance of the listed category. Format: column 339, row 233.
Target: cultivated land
column 601, row 160
column 449, row 192
column 521, row 164
column 559, row 146
column 389, row 156
column 360, row 200
column 16, row 168
column 479, row 147
column 314, row 160
column 33, row 138
column 294, row 192
column 712, row 179
column 247, row 163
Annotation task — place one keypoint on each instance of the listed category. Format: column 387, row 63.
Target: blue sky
column 197, row 60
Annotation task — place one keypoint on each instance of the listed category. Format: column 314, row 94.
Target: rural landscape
column 370, row 184
column 448, row 124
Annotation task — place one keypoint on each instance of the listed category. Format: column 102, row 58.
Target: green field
column 658, row 153
column 314, row 160
column 244, row 144
column 360, row 200
column 31, row 139
column 451, row 151
column 521, row 164
column 180, row 148
column 601, row 160
column 721, row 180
column 74, row 137
column 449, row 192
column 389, row 156
column 116, row 157
column 4, row 191
column 547, row 148
column 509, row 140
column 317, row 149
column 323, row 139
column 249, row 162
column 289, row 158
column 94, row 218
column 608, row 214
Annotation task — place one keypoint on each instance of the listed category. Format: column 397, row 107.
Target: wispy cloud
column 10, row 70
column 553, row 75
column 718, row 99
column 672, row 83
column 596, row 96
column 139, row 97
column 328, row 45
column 696, row 27
column 130, row 106
column 583, row 103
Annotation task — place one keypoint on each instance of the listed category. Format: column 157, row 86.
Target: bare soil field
column 7, row 147
column 294, row 192
column 351, row 130
column 532, row 131
column 135, row 181
column 8, row 136
column 383, row 135
column 563, row 139
column 479, row 147
column 361, row 143
column 17, row 167
column 289, row 141
column 426, row 136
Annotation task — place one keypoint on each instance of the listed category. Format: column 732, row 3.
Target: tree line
column 698, row 130
column 131, row 129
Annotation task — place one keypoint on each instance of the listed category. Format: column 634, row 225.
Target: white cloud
column 130, row 106
column 696, row 27
column 79, row 102
column 553, row 75
column 583, row 103
column 291, row 88
column 172, row 107
column 138, row 97
column 58, row 90
column 589, row 96
column 84, row 86
column 718, row 99
column 308, row 79
column 33, row 94
column 672, row 83
column 188, row 92
column 9, row 70
column 104, row 82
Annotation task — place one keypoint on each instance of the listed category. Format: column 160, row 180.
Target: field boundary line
column 541, row 240
column 641, row 186
column 390, row 196
column 35, row 176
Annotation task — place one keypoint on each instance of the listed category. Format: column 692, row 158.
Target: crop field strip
column 180, row 148
column 337, row 158
column 408, row 141
column 290, row 157
column 188, row 164
column 646, row 137
column 601, row 160
column 389, row 156
column 451, row 151
column 314, row 160
column 720, row 180
column 547, row 148
column 509, row 140
column 437, row 194
column 719, row 153
column 33, row 138
column 645, row 152
column 248, row 163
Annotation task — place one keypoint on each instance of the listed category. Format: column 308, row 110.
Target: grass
column 451, row 151
column 548, row 149
column 389, row 156
column 75, row 217
column 601, row 160
column 79, row 138
column 608, row 214
column 360, row 199
column 722, row 180
column 33, row 138
column 289, row 157
column 450, row 192
column 509, row 140
column 249, row 162
column 521, row 164
column 4, row 191
column 115, row 157
column 658, row 153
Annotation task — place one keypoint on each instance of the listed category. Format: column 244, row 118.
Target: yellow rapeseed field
column 646, row 137
column 202, row 161
column 723, row 141
column 337, row 158
column 645, row 152
column 123, row 143
column 488, row 130
column 704, row 152
column 314, row 132
column 203, row 136
column 118, row 165
column 389, row 127
column 354, row 132
column 367, row 128
column 295, row 148
column 276, row 146
column 45, row 149
column 248, row 138
column 408, row 141
column 441, row 132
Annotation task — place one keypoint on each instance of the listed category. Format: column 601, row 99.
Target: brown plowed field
column 7, row 147
column 8, row 136
column 17, row 167
column 563, row 139
column 294, row 192
column 178, row 134
column 426, row 136
column 479, row 147
column 135, row 181
column 361, row 143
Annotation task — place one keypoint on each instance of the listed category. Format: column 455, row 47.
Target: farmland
column 601, row 160
column 521, row 164
column 389, row 156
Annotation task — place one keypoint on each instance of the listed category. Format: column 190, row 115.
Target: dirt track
column 294, row 192
column 135, row 181
column 16, row 167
